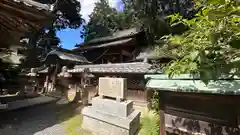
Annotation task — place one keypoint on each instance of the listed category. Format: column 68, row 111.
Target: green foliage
column 67, row 15
column 151, row 14
column 104, row 21
column 210, row 48
column 137, row 13
column 150, row 123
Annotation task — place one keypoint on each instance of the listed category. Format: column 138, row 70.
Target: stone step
column 54, row 94
column 30, row 102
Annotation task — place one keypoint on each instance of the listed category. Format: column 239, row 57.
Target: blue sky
column 70, row 37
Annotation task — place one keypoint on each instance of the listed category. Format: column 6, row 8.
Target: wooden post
column 46, row 83
column 55, row 75
column 121, row 57
column 162, row 114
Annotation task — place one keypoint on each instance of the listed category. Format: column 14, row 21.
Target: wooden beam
column 10, row 25
column 127, row 53
column 121, row 57
column 112, row 54
column 18, row 22
column 7, row 22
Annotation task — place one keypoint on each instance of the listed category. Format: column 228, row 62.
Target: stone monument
column 110, row 113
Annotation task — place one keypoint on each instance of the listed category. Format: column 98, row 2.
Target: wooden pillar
column 238, row 118
column 162, row 114
column 46, row 83
column 121, row 57
column 55, row 76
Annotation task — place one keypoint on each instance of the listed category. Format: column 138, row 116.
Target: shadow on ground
column 40, row 120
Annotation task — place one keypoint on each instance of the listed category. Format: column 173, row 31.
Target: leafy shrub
column 150, row 122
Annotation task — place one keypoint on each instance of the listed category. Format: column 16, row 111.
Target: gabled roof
column 108, row 44
column 66, row 55
column 115, row 36
column 119, row 37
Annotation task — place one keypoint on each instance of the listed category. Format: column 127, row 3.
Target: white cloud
column 88, row 6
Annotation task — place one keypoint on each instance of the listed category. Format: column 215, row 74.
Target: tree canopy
column 147, row 14
column 104, row 20
column 67, row 15
column 210, row 48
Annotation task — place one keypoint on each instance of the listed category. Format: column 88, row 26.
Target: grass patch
column 70, row 118
column 73, row 125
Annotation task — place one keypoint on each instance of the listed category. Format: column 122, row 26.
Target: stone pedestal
column 110, row 116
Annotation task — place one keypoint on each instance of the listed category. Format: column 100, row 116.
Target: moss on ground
column 73, row 125
column 70, row 118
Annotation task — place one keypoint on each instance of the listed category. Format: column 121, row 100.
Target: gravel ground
column 39, row 120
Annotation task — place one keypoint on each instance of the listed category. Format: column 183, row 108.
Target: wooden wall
column 198, row 113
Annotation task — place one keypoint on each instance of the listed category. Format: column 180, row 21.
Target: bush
column 150, row 123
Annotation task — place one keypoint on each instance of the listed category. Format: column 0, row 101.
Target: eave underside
column 17, row 18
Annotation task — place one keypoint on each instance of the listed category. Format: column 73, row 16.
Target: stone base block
column 101, row 123
column 121, row 109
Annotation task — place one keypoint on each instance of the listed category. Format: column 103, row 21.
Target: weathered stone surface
column 113, row 87
column 111, row 117
column 106, row 124
column 121, row 109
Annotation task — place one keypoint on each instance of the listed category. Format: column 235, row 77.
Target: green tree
column 103, row 21
column 151, row 14
column 211, row 46
column 67, row 15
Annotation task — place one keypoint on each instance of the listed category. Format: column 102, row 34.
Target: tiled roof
column 67, row 56
column 114, row 43
column 115, row 36
column 136, row 67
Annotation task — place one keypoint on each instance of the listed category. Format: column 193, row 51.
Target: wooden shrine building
column 123, row 54
column 120, row 47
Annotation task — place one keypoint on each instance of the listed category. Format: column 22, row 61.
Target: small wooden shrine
column 188, row 106
column 57, row 81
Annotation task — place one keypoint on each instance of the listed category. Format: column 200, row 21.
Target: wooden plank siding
column 198, row 113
